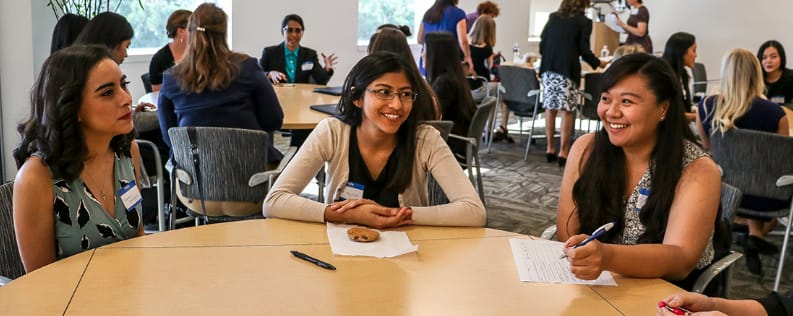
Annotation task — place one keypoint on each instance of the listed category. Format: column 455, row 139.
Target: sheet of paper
column 611, row 22
column 538, row 261
column 391, row 243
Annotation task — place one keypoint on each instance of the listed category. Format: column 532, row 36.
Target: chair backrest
column 10, row 262
column 700, row 78
column 517, row 82
column 146, row 82
column 592, row 87
column 228, row 158
column 444, row 127
column 752, row 161
column 730, row 201
column 481, row 116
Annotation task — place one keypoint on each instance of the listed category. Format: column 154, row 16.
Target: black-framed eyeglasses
column 385, row 94
column 295, row 30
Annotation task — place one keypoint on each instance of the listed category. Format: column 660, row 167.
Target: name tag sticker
column 643, row 194
column 353, row 191
column 778, row 99
column 130, row 196
column 306, row 66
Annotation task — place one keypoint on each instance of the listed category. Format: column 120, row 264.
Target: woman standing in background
column 445, row 16
column 777, row 78
column 564, row 38
column 171, row 53
column 637, row 26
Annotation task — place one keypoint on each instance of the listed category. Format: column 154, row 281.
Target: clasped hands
column 369, row 213
column 586, row 262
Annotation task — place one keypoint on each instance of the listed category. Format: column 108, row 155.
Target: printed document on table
column 538, row 261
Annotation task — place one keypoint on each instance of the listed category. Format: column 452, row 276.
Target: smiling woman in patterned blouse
column 645, row 172
column 78, row 164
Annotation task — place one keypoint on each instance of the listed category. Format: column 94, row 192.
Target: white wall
column 719, row 25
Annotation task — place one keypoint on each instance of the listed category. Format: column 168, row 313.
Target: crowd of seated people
column 644, row 170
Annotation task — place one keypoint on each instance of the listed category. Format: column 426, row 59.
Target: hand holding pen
column 586, row 263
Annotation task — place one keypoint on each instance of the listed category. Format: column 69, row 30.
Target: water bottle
column 516, row 54
column 604, row 52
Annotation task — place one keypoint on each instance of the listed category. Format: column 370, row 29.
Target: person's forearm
column 647, row 261
column 739, row 307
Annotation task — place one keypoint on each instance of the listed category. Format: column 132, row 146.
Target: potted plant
column 86, row 8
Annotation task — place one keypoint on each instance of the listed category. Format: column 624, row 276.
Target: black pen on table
column 313, row 260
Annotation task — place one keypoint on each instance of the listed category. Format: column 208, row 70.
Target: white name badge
column 306, row 66
column 644, row 193
column 778, row 99
column 130, row 196
column 634, row 11
column 353, row 191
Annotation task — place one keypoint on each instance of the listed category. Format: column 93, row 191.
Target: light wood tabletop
column 295, row 99
column 245, row 268
column 789, row 115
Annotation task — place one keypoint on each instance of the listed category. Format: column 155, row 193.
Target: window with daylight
column 373, row 13
column 149, row 22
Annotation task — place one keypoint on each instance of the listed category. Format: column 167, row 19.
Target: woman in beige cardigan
column 378, row 157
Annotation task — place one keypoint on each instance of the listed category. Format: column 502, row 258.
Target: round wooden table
column 245, row 268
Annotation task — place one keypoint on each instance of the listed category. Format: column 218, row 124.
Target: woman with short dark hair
column 293, row 63
column 171, row 53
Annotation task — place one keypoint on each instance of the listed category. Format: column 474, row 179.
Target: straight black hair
column 293, row 17
column 676, row 48
column 435, row 12
column 598, row 192
column 66, row 31
column 779, row 49
column 367, row 70
column 107, row 28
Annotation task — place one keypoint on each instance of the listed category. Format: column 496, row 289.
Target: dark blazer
column 273, row 58
column 564, row 39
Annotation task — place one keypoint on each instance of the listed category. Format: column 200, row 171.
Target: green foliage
column 373, row 13
column 87, row 8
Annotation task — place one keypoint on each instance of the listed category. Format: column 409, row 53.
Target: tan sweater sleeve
column 283, row 200
column 464, row 207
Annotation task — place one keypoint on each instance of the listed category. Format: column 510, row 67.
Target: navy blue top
column 763, row 115
column 249, row 102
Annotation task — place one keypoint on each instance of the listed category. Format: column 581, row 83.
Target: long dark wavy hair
column 367, row 70
column 435, row 13
column 52, row 127
column 598, row 193
column 676, row 48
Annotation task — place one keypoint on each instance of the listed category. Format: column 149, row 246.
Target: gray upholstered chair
column 591, row 93
column 700, row 82
column 154, row 179
column 758, row 164
column 730, row 201
column 232, row 165
column 435, row 193
column 472, row 141
column 10, row 262
column 522, row 97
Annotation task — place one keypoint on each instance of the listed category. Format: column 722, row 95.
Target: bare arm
column 699, row 303
column 462, row 38
column 784, row 127
column 420, row 36
column 33, row 214
column 689, row 227
column 567, row 222
column 135, row 152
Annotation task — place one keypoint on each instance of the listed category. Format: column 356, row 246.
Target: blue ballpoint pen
column 595, row 235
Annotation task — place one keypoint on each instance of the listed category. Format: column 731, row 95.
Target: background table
column 245, row 268
column 295, row 101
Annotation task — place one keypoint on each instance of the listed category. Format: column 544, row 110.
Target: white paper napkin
column 391, row 243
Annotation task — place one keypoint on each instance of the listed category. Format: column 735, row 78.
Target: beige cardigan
column 329, row 143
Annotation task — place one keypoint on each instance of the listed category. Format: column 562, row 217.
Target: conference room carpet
column 522, row 197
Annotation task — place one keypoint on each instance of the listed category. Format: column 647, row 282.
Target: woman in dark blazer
column 564, row 38
column 303, row 69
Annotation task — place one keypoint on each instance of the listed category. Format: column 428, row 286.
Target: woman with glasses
column 292, row 63
column 378, row 157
